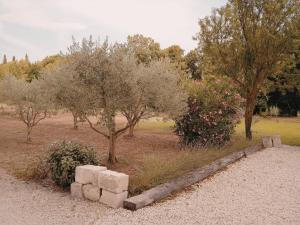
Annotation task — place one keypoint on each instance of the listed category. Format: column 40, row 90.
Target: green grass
column 287, row 128
column 156, row 126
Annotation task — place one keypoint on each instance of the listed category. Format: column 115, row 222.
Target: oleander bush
column 65, row 156
column 213, row 112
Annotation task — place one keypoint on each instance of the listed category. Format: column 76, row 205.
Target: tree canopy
column 248, row 41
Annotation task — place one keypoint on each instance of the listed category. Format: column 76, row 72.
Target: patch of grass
column 287, row 128
column 156, row 126
column 158, row 169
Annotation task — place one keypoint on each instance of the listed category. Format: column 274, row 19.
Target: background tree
column 30, row 100
column 284, row 88
column 247, row 41
column 13, row 58
column 156, row 91
column 23, row 69
column 176, row 56
column 4, row 61
column 193, row 64
column 145, row 49
column 63, row 86
column 26, row 58
column 175, row 53
column 19, row 69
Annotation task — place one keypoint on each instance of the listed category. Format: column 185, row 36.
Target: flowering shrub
column 213, row 112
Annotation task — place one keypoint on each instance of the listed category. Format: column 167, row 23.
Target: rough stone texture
column 112, row 199
column 88, row 174
column 113, row 181
column 91, row 192
column 76, row 190
column 267, row 142
column 276, row 141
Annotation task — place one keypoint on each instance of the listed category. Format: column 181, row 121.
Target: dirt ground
column 16, row 154
column 150, row 158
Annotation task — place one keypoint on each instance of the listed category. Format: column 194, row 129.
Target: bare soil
column 16, row 154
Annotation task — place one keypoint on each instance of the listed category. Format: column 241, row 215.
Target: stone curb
column 161, row 191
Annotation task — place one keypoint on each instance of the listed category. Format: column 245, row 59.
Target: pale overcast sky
column 45, row 27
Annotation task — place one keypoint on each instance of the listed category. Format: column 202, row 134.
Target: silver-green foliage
column 30, row 100
column 102, row 81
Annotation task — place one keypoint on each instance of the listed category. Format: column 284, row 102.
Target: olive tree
column 31, row 102
column 105, row 75
column 62, row 85
column 110, row 82
column 247, row 41
column 156, row 91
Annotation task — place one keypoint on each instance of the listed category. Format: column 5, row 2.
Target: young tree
column 156, row 90
column 247, row 41
column 30, row 101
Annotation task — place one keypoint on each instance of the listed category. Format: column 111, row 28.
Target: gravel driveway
column 261, row 189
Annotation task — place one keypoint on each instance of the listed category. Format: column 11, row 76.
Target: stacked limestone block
column 96, row 183
column 114, row 188
column 271, row 141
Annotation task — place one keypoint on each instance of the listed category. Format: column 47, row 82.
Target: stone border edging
column 163, row 190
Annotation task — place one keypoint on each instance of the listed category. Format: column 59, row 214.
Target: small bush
column 65, row 156
column 213, row 112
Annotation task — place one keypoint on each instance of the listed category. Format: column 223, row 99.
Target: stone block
column 276, row 141
column 112, row 199
column 91, row 192
column 267, row 142
column 113, row 181
column 88, row 174
column 76, row 190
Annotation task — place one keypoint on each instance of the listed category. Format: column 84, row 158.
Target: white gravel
column 261, row 189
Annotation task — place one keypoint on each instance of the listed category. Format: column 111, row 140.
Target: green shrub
column 65, row 156
column 213, row 112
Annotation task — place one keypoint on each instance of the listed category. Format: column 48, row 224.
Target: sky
column 45, row 27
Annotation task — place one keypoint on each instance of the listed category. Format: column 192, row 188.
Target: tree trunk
column 112, row 159
column 133, row 122
column 131, row 129
column 250, row 105
column 75, row 121
column 29, row 129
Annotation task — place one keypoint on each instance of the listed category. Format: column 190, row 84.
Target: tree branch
column 93, row 128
